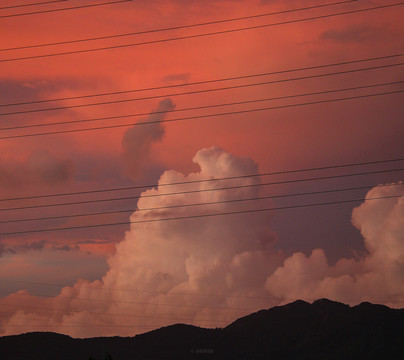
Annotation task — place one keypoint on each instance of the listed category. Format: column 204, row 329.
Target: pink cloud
column 377, row 277
column 41, row 167
column 209, row 271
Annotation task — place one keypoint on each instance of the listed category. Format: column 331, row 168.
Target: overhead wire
column 209, row 180
column 220, row 32
column 110, row 314
column 136, row 315
column 63, row 9
column 202, row 116
column 202, row 107
column 197, row 216
column 230, row 87
column 31, row 4
column 140, row 291
column 206, row 190
column 80, row 326
column 273, row 209
column 179, row 27
column 203, row 82
column 151, row 316
column 149, row 325
column 136, row 302
column 201, row 322
column 97, row 325
column 180, row 206
column 170, row 304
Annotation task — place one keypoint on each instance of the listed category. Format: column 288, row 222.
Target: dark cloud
column 137, row 141
column 41, row 167
column 34, row 246
column 353, row 33
column 2, row 249
column 177, row 78
column 66, row 248
column 23, row 248
column 12, row 91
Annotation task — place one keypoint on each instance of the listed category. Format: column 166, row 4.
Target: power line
column 161, row 304
column 151, row 316
column 138, row 291
column 204, row 190
column 57, row 326
column 202, row 107
column 118, row 314
column 214, row 22
column 202, row 116
column 153, row 185
column 177, row 318
column 63, row 9
column 202, row 35
column 197, row 216
column 31, row 4
column 149, row 325
column 198, row 204
column 239, row 77
column 313, row 76
column 137, row 303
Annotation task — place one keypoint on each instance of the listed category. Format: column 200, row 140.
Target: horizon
column 315, row 302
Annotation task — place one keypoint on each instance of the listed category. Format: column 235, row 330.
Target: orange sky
column 299, row 137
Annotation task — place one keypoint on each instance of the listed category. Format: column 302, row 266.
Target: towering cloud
column 378, row 277
column 211, row 270
column 137, row 140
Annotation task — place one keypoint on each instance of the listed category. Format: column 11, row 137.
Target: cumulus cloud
column 378, row 277
column 225, row 258
column 210, row 270
column 40, row 168
column 137, row 140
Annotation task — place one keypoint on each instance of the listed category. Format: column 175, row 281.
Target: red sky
column 203, row 271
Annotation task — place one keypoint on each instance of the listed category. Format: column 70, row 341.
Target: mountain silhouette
column 322, row 330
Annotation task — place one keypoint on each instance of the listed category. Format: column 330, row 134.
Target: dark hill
column 299, row 330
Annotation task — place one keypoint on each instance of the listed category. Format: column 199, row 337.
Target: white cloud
column 378, row 277
column 211, row 270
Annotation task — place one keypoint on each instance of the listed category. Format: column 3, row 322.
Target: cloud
column 22, row 248
column 177, row 78
column 66, row 248
column 44, row 273
column 209, row 271
column 12, row 90
column 353, row 33
column 137, row 140
column 2, row 249
column 173, row 262
column 34, row 246
column 377, row 277
column 40, row 168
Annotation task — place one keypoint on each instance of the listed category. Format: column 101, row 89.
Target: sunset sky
column 230, row 88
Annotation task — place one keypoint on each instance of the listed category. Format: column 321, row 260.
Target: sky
column 126, row 270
